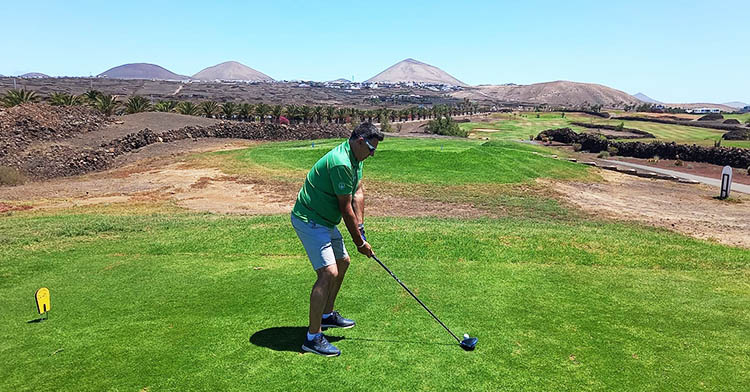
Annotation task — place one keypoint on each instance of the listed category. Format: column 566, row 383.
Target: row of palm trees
column 262, row 112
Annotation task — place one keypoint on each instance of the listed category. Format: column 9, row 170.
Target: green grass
column 520, row 126
column 203, row 302
column 431, row 162
column 150, row 297
column 741, row 117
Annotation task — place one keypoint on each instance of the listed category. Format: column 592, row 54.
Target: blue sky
column 674, row 51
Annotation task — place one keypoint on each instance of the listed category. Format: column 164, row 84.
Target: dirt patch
column 687, row 209
column 7, row 207
column 171, row 179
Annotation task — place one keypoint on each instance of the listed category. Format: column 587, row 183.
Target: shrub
column 603, row 154
column 187, row 108
column 63, row 99
column 385, row 124
column 654, row 159
column 137, row 104
column 107, row 104
column 398, row 128
column 577, row 146
column 445, row 126
column 165, row 106
column 531, row 137
column 748, row 170
column 678, row 162
column 17, row 97
column 620, row 127
column 612, row 150
column 10, row 176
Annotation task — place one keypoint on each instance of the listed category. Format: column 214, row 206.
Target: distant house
column 746, row 109
column 703, row 110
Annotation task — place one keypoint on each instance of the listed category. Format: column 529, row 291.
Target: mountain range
column 411, row 70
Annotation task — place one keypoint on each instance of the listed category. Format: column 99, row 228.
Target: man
column 332, row 191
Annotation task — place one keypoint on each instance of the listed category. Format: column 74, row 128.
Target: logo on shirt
column 342, row 186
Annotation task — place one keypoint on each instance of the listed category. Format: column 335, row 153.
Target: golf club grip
column 415, row 297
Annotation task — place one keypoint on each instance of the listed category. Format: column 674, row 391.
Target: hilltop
column 232, row 70
column 411, row 70
column 552, row 93
column 35, row 75
column 645, row 98
column 141, row 71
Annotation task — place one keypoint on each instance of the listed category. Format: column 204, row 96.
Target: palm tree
column 91, row 96
column 330, row 113
column 209, row 108
column 317, row 113
column 341, row 114
column 276, row 112
column 107, row 104
column 356, row 115
column 17, row 97
column 244, row 111
column 165, row 106
column 292, row 111
column 63, row 99
column 137, row 104
column 413, row 113
column 228, row 109
column 188, row 108
column 262, row 110
column 306, row 112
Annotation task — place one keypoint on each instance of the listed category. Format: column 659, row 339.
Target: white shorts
column 323, row 245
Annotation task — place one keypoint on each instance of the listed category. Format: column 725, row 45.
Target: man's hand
column 365, row 249
column 353, row 226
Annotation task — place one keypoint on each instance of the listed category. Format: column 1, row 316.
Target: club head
column 468, row 344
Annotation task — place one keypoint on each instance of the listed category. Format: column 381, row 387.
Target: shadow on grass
column 291, row 339
column 284, row 338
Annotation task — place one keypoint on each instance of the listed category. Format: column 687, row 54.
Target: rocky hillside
column 562, row 93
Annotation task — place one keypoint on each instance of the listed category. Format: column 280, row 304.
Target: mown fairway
column 153, row 297
column 521, row 126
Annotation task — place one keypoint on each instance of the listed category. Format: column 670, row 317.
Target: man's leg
column 342, row 265
column 321, row 291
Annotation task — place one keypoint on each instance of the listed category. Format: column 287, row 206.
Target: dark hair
column 367, row 131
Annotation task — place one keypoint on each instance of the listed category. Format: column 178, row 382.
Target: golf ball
column 466, row 336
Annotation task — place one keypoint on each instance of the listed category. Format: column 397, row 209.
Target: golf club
column 468, row 343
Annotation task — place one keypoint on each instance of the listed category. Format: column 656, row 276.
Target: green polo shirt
column 336, row 173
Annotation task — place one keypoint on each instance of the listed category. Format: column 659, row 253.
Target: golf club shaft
column 415, row 297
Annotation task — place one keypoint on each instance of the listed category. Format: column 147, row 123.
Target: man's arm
column 350, row 219
column 358, row 203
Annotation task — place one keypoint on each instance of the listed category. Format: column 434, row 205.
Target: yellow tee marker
column 42, row 300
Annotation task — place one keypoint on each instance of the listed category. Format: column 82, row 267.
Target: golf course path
column 704, row 180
